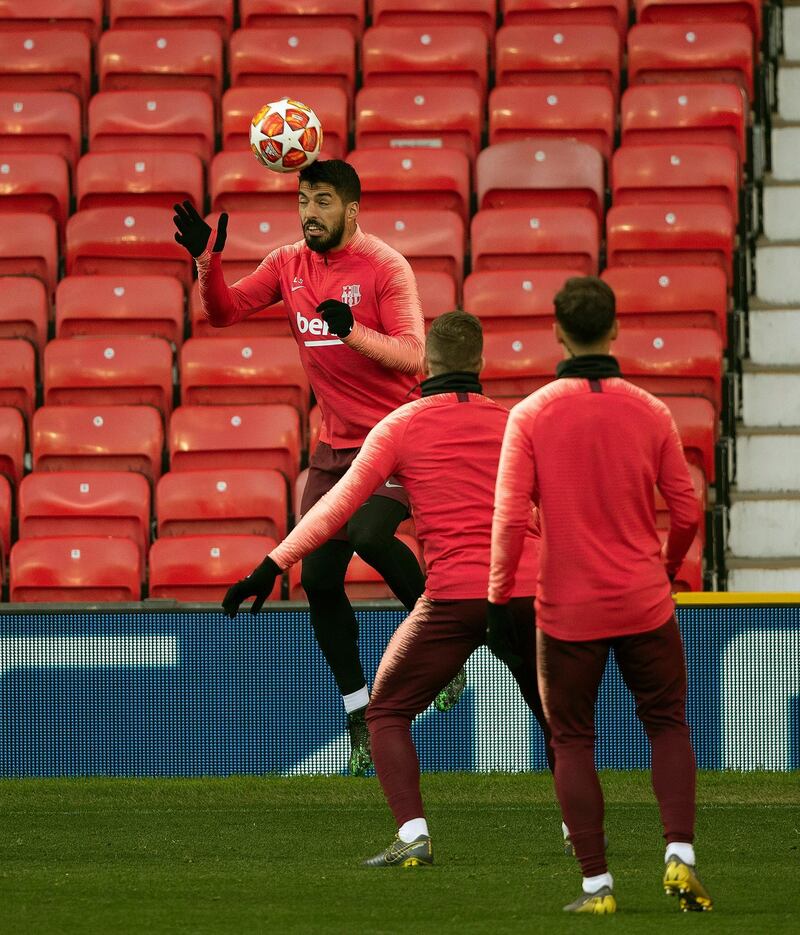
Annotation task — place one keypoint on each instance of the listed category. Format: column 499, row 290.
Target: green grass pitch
column 251, row 855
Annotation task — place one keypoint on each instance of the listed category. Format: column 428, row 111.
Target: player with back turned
column 444, row 448
column 355, row 313
column 588, row 450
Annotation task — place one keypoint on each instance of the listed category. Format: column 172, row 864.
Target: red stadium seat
column 147, row 121
column 681, row 52
column 6, row 509
column 29, row 247
column 517, row 362
column 361, row 583
column 18, row 375
column 120, row 305
column 565, row 12
column 685, row 113
column 24, row 310
column 425, row 55
column 584, row 113
column 550, row 238
column 254, row 234
column 437, row 292
column 41, row 15
column 421, row 116
column 271, row 320
column 46, row 61
column 506, row 300
column 681, row 235
column 35, row 183
column 393, row 179
column 125, row 370
column 331, row 105
column 702, row 11
column 76, row 568
column 314, row 429
column 12, row 444
column 134, row 179
column 86, row 503
column 126, row 240
column 235, row 371
column 172, row 14
column 541, row 173
column 41, row 121
column 455, row 14
column 672, row 361
column 428, row 239
column 235, row 436
column 676, row 173
column 674, row 296
column 559, row 54
column 98, row 438
column 299, row 56
column 346, row 14
column 231, row 501
column 240, row 183
column 189, row 59
column 202, row 568
column 697, row 424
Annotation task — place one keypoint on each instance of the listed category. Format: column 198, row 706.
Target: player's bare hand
column 501, row 635
column 258, row 584
column 337, row 316
column 193, row 232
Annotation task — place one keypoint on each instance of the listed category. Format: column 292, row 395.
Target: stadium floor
column 254, row 855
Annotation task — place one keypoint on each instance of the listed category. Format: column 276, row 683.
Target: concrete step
column 770, row 395
column 764, row 525
column 779, row 576
column 789, row 89
column 781, row 210
column 774, row 333
column 785, row 151
column 767, row 459
column 791, row 31
column 778, row 271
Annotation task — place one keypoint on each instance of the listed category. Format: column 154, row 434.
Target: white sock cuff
column 410, row 830
column 682, row 850
column 356, row 700
column 593, row 884
column 564, row 830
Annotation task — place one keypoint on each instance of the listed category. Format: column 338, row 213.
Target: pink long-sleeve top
column 444, row 449
column 588, row 453
column 357, row 379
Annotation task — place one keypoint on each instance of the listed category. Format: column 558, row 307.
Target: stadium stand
column 564, row 12
column 141, row 14
column 35, row 183
column 12, row 444
column 41, row 121
column 29, row 247
column 132, row 179
column 43, row 15
column 347, row 14
column 24, row 311
column 18, row 375
column 46, row 61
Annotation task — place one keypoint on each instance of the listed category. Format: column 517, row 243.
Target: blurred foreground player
column 355, row 313
column 587, row 450
column 444, row 448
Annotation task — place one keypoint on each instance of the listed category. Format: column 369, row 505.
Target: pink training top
column 444, row 449
column 357, row 379
column 589, row 454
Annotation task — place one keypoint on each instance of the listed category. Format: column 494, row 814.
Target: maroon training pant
column 427, row 650
column 653, row 668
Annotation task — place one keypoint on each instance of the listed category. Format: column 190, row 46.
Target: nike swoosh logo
column 295, row 288
column 389, row 484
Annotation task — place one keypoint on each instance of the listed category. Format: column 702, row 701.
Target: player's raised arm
column 402, row 346
column 675, row 484
column 222, row 304
column 375, row 462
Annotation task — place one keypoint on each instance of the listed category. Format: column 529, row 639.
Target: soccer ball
column 286, row 136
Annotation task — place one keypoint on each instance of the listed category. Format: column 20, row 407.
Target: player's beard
column 331, row 237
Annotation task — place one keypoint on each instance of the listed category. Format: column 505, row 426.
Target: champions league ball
column 286, row 136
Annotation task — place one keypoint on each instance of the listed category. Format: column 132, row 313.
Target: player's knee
column 316, row 579
column 367, row 539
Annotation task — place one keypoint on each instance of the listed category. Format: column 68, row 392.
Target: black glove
column 501, row 635
column 337, row 316
column 193, row 232
column 259, row 584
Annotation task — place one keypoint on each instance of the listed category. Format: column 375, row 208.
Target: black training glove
column 501, row 635
column 193, row 232
column 337, row 316
column 259, row 584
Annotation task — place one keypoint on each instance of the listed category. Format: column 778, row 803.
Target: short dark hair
column 585, row 309
column 455, row 342
column 334, row 172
